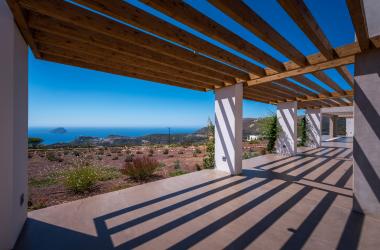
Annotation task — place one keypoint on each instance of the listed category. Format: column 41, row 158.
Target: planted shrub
column 139, row 152
column 180, row 152
column 140, row 168
column 270, row 131
column 81, row 178
column 151, row 151
column 177, row 169
column 115, row 158
column 51, row 156
column 166, row 151
column 209, row 160
column 197, row 151
column 34, row 142
column 303, row 132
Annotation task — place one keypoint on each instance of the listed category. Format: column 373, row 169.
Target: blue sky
column 61, row 95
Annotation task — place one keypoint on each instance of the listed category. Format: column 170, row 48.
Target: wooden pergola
column 116, row 37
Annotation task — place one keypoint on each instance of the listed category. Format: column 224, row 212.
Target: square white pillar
column 13, row 129
column 313, row 127
column 229, row 128
column 286, row 143
column 367, row 120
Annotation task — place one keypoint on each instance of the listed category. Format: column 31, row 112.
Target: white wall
column 349, row 126
column 286, row 143
column 13, row 129
column 229, row 128
column 314, row 127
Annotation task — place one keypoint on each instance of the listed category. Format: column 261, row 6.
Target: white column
column 314, row 127
column 349, row 126
column 286, row 143
column 229, row 128
column 367, row 121
column 13, row 129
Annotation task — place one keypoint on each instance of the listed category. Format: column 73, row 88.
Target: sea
column 73, row 133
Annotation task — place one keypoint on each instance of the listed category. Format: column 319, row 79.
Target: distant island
column 59, row 130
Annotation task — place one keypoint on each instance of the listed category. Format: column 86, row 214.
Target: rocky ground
column 47, row 168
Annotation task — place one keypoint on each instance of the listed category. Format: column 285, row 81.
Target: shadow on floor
column 40, row 235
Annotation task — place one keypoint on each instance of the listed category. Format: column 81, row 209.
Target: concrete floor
column 279, row 202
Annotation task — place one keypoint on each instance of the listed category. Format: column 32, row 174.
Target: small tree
column 209, row 160
column 34, row 141
column 303, row 131
column 270, row 130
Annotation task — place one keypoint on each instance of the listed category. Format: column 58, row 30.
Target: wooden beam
column 85, row 19
column 67, row 44
column 296, row 87
column 343, row 71
column 328, row 81
column 305, row 70
column 186, row 14
column 112, row 70
column 245, row 16
column 311, row 84
column 49, row 27
column 95, row 60
column 273, row 96
column 359, row 22
column 301, row 15
column 126, row 12
column 19, row 16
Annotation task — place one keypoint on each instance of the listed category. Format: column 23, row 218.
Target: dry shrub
column 140, row 168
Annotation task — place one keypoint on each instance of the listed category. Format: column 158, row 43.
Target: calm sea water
column 72, row 133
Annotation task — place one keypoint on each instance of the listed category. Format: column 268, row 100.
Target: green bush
column 140, row 168
column 270, row 131
column 34, row 141
column 303, row 132
column 82, row 178
column 209, row 160
column 51, row 156
column 197, row 151
column 177, row 173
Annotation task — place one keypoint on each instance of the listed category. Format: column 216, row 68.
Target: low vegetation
column 140, row 169
column 209, row 160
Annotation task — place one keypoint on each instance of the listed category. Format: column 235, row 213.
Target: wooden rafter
column 85, row 19
column 82, row 47
column 101, row 61
column 48, row 27
column 128, row 13
column 295, row 87
column 112, row 70
column 302, row 16
column 93, row 34
column 343, row 71
column 356, row 9
column 245, row 16
column 186, row 14
column 328, row 81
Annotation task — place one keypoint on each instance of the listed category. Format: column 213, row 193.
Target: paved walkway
column 278, row 203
